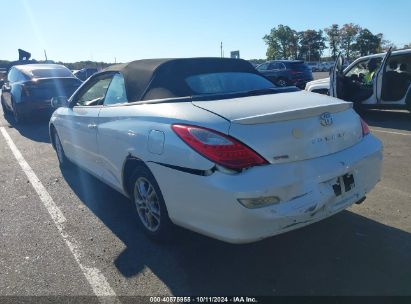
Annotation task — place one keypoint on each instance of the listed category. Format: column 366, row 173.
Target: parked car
column 3, row 75
column 286, row 72
column 390, row 87
column 326, row 66
column 211, row 145
column 85, row 73
column 29, row 88
column 315, row 66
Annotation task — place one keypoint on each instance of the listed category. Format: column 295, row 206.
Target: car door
column 379, row 78
column 79, row 132
column 114, row 132
column 336, row 77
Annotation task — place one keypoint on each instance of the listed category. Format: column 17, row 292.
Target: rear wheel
column 281, row 82
column 16, row 115
column 150, row 206
column 6, row 112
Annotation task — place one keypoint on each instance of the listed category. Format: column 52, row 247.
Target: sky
column 125, row 30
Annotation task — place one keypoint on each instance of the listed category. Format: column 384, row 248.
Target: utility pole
column 221, row 49
column 309, row 52
column 45, row 54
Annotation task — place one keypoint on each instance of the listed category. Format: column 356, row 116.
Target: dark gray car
column 286, row 72
column 28, row 89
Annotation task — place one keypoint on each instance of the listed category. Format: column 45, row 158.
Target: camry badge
column 326, row 119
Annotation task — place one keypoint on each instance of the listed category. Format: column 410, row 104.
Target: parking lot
column 362, row 251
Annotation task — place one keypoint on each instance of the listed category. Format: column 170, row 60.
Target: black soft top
column 165, row 78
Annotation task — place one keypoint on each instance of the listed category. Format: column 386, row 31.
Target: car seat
column 395, row 84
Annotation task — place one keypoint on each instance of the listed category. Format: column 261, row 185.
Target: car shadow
column 397, row 120
column 347, row 254
column 36, row 129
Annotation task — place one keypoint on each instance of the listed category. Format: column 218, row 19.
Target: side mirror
column 59, row 101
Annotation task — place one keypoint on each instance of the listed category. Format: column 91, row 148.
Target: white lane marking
column 390, row 132
column 96, row 279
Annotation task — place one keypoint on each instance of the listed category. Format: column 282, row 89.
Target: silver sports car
column 211, row 145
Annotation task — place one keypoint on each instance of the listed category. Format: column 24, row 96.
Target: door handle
column 92, row 126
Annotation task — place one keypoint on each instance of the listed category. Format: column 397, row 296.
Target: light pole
column 221, row 49
column 309, row 52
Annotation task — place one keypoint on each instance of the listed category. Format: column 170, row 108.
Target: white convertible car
column 210, row 145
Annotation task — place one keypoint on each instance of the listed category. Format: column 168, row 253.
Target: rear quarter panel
column 124, row 131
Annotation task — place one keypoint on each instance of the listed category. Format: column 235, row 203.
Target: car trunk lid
column 289, row 127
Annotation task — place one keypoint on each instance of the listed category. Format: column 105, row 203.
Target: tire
column 18, row 119
column 61, row 156
column 6, row 112
column 150, row 206
column 281, row 82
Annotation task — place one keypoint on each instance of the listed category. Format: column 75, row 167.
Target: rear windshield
column 297, row 66
column 49, row 72
column 230, row 82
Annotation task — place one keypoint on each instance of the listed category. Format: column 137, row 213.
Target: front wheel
column 61, row 156
column 150, row 206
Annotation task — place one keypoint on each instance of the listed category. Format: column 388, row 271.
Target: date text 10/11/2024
column 203, row 300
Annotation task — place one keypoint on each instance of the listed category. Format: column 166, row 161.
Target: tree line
column 350, row 39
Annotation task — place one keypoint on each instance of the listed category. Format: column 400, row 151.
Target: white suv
column 388, row 87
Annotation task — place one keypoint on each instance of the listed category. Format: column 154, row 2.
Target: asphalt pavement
column 362, row 251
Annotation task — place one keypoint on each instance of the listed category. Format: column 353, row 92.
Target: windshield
column 230, row 82
column 362, row 67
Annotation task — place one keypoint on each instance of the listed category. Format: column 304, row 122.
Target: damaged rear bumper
column 308, row 192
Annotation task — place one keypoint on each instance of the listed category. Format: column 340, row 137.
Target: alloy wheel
column 282, row 83
column 147, row 204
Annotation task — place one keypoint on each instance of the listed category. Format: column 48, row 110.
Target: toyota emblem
column 326, row 119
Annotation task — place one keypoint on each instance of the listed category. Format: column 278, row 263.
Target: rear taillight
column 365, row 128
column 219, row 148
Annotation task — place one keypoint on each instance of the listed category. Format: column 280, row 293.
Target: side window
column 275, row 66
column 95, row 94
column 116, row 92
column 263, row 67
